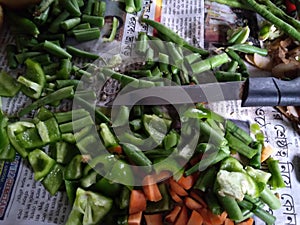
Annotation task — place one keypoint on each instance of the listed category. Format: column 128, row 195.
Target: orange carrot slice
column 177, row 188
column 182, row 218
column 137, row 201
column 228, row 222
column 135, row 218
column 175, row 196
column 195, row 218
column 186, row 182
column 154, row 219
column 192, row 204
column 171, row 217
column 151, row 189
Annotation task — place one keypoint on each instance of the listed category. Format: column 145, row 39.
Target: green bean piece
column 167, row 32
column 51, row 69
column 56, row 50
column 102, row 9
column 206, row 131
column 249, row 49
column 65, row 69
column 22, row 57
column 71, row 6
column 80, row 3
column 242, row 66
column 96, row 8
column 98, row 114
column 223, row 76
column 55, row 25
column 93, row 20
column 230, row 205
column 136, row 155
column 43, row 6
column 142, row 43
column 138, row 5
column 70, row 23
column 76, row 125
column 87, row 34
column 212, row 202
column 130, row 6
column 64, row 83
column 176, row 57
column 82, row 26
column 81, row 53
column 256, row 159
column 268, row 197
column 163, row 62
column 206, row 179
column 240, row 146
column 58, row 95
column 191, row 58
column 89, row 7
column 209, row 63
column 234, row 4
column 232, row 67
column 42, row 18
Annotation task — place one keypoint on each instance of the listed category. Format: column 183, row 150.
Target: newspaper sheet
column 203, row 23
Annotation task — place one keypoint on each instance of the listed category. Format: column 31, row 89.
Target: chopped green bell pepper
column 34, row 80
column 7, row 151
column 41, row 163
column 89, row 208
column 14, row 129
column 8, row 85
column 54, row 180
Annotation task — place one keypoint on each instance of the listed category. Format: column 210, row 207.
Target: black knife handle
column 270, row 91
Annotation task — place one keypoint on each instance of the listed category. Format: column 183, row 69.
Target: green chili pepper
column 41, row 163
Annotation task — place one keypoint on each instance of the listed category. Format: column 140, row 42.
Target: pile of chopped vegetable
column 192, row 168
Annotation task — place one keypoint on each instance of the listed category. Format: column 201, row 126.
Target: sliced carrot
column 223, row 216
column 197, row 197
column 206, row 216
column 177, row 188
column 248, row 221
column 175, row 196
column 137, row 202
column 187, row 182
column 266, row 152
column 135, row 218
column 182, row 218
column 228, row 222
column 192, row 204
column 195, row 218
column 151, row 189
column 215, row 219
column 162, row 176
column 154, row 219
column 171, row 217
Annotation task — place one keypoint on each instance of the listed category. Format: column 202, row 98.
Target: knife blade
column 255, row 91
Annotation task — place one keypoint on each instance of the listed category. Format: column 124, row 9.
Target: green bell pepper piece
column 49, row 130
column 7, row 151
column 232, row 165
column 8, row 85
column 30, row 139
column 54, row 180
column 89, row 208
column 34, row 80
column 107, row 187
column 15, row 128
column 41, row 163
column 74, row 170
column 63, row 152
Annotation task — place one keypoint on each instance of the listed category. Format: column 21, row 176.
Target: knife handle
column 270, row 91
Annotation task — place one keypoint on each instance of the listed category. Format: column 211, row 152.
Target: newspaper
column 24, row 201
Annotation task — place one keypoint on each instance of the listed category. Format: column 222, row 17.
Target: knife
column 257, row 91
